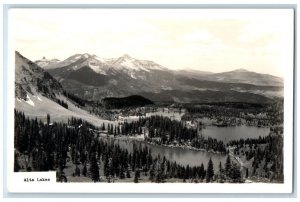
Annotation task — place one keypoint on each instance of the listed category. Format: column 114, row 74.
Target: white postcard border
column 16, row 186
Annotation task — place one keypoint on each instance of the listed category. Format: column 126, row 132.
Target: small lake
column 188, row 156
column 235, row 132
column 180, row 155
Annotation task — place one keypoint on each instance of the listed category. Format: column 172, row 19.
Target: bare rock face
column 32, row 79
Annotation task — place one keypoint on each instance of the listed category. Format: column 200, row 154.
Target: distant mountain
column 101, row 65
column 245, row 76
column 225, row 86
column 129, row 63
column 45, row 62
column 93, row 78
column 130, row 101
column 191, row 73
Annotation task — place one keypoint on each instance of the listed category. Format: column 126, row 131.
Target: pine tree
column 108, row 128
column 77, row 171
column 221, row 173
column 106, row 166
column 235, row 173
column 16, row 164
column 48, row 119
column 247, row 173
column 136, row 176
column 128, row 174
column 94, row 168
column 84, row 170
column 111, row 129
column 210, row 171
column 115, row 131
column 159, row 175
column 228, row 165
column 202, row 172
column 152, row 174
column 121, row 173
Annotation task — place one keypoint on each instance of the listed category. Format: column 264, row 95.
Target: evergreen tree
column 48, row 119
column 221, row 173
column 136, row 176
column 108, row 128
column 111, row 129
column 235, row 173
column 152, row 174
column 159, row 175
column 16, row 164
column 202, row 172
column 210, row 171
column 94, row 168
column 84, row 170
column 247, row 173
column 106, row 166
column 227, row 165
column 128, row 174
column 121, row 173
column 77, row 171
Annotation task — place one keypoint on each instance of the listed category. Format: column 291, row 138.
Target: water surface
column 235, row 132
column 181, row 156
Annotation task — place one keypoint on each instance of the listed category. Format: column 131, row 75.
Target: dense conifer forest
column 124, row 102
column 264, row 153
column 50, row 146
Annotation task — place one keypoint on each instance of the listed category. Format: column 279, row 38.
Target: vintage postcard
column 150, row 100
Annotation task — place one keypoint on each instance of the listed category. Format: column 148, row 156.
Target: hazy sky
column 210, row 40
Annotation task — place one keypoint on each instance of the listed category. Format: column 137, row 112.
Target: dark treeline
column 62, row 103
column 49, row 146
column 220, row 109
column 249, row 141
column 228, row 112
column 238, row 105
column 163, row 130
column 76, row 99
column 46, row 144
column 124, row 102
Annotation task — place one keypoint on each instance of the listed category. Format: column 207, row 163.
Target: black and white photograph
column 152, row 96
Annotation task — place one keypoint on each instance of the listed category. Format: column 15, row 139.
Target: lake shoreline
column 132, row 138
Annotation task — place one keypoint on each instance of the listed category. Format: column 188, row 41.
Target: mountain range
column 40, row 91
column 94, row 78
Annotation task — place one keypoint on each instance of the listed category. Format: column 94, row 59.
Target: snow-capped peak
column 123, row 59
column 130, row 63
column 125, row 63
column 103, row 60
